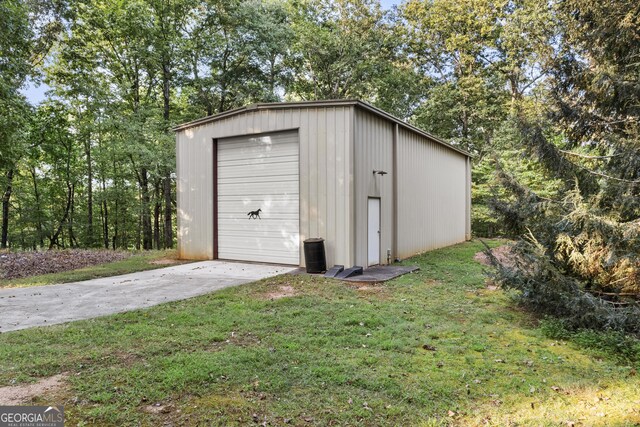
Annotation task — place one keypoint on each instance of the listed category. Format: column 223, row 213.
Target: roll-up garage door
column 259, row 173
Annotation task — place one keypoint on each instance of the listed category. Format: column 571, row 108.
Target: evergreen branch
column 586, row 156
column 608, row 176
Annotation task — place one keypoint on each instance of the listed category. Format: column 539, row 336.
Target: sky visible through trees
column 36, row 93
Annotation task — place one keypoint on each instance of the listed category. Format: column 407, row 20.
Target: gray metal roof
column 317, row 104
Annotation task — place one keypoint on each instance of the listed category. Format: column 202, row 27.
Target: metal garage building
column 374, row 187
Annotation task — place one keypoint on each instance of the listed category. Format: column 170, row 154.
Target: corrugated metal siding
column 326, row 178
column 373, row 151
column 194, row 160
column 432, row 195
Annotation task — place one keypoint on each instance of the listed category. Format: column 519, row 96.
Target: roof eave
column 264, row 106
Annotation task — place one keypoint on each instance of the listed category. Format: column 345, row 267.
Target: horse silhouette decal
column 254, row 214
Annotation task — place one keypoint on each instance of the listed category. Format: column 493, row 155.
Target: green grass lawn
column 331, row 354
column 139, row 261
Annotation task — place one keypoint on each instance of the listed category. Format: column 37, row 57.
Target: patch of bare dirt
column 15, row 265
column 18, row 394
column 284, row 291
column 370, row 289
column 158, row 408
column 503, row 254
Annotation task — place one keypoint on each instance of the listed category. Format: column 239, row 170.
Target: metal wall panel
column 326, row 176
column 373, row 151
column 432, row 195
column 194, row 160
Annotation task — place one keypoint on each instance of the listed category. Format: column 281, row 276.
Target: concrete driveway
column 22, row 308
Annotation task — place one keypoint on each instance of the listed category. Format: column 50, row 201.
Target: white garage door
column 259, row 172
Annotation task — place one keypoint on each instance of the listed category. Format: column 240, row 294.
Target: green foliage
column 544, row 287
column 350, row 49
column 234, row 54
column 483, row 57
column 15, row 54
column 495, row 190
column 585, row 264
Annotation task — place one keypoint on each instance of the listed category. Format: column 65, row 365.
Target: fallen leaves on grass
column 16, row 265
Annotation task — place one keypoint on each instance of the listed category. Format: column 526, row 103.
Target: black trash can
column 314, row 256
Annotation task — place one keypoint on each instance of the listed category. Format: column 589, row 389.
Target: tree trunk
column 139, row 226
column 73, row 242
column 223, row 74
column 516, row 96
column 168, row 228
column 143, row 177
column 54, row 238
column 464, row 119
column 5, row 209
column 156, row 215
column 115, row 226
column 87, row 149
column 38, row 207
column 166, row 92
column 166, row 89
column 147, row 233
column 116, row 220
column 104, row 207
column 123, row 234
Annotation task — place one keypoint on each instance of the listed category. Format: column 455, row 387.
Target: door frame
column 215, row 198
column 379, row 229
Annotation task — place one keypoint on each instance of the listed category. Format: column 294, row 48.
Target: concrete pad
column 22, row 308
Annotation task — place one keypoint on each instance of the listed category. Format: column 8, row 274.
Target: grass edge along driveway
column 430, row 348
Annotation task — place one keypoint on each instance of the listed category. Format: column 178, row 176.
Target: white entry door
column 258, row 198
column 374, row 231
